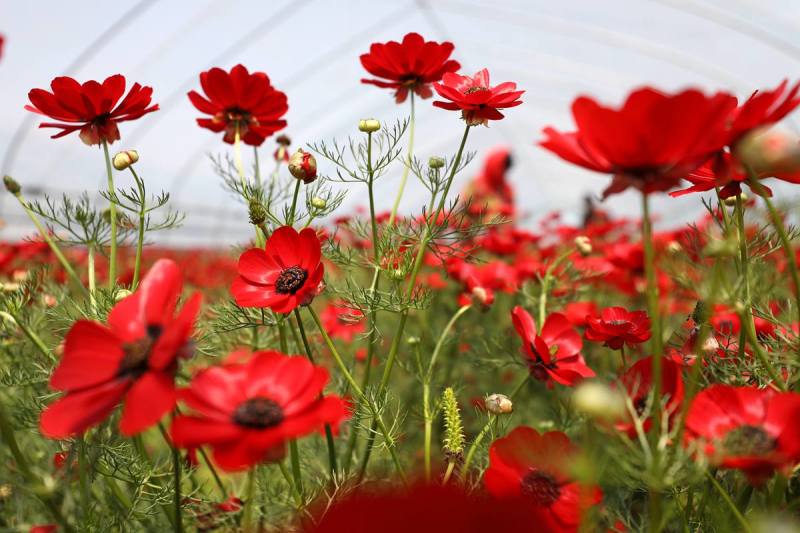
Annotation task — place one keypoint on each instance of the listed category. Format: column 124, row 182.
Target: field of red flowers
column 444, row 370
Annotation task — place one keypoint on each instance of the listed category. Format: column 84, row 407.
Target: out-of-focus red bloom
column 616, row 326
column 241, row 101
column 133, row 359
column 489, row 193
column 726, row 321
column 426, row 509
column 652, row 142
column 411, row 65
column 342, row 322
column 556, row 352
column 474, row 96
column 94, row 108
column 247, row 411
column 578, row 312
column 749, row 429
column 44, row 528
column 532, row 466
column 2, row 45
column 638, row 383
column 285, row 274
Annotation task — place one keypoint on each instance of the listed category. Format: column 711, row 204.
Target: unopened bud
column 598, row 400
column 303, row 166
column 768, row 153
column 12, row 185
column 583, row 244
column 674, row 247
column 318, row 203
column 257, row 213
column 283, row 140
column 721, row 248
column 123, row 160
column 482, row 296
column 398, row 274
column 369, row 125
column 436, row 162
column 122, row 293
column 412, row 341
column 739, row 308
column 498, row 404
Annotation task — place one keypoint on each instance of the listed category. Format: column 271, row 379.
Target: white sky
column 310, row 49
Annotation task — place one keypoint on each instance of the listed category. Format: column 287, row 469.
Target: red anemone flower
column 638, row 383
column 556, row 352
column 285, row 274
column 240, row 101
column 652, row 142
column 409, row 66
column 749, row 429
column 247, row 411
column 533, row 466
column 342, row 322
column 475, row 97
column 94, row 108
column 616, row 326
column 133, row 359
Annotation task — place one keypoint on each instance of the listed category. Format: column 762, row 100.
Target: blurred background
column 309, row 48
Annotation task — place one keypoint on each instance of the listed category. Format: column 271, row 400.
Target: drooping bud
column 453, row 442
column 482, row 296
column 303, row 166
column 282, row 153
column 12, row 185
column 124, row 159
column 598, row 400
column 583, row 244
column 369, row 125
column 258, row 215
column 283, row 140
column 436, row 162
column 318, row 203
column 769, row 152
column 499, row 404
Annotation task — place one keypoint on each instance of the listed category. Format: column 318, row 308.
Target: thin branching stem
column 112, row 207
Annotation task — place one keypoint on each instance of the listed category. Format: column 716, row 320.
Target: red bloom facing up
column 240, row 101
column 408, row 66
column 94, row 108
column 638, row 383
column 478, row 101
column 652, row 142
column 342, row 322
column 750, row 429
column 616, row 326
column 285, row 274
column 247, row 411
column 534, row 466
column 556, row 353
column 133, row 359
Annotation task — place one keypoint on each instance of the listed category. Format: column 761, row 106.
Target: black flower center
column 640, row 405
column 137, row 353
column 291, row 280
column 539, row 368
column 748, row 440
column 541, row 488
column 259, row 413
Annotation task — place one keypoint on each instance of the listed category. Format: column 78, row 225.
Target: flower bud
column 124, row 159
column 674, row 247
column 583, row 244
column 257, row 213
column 436, row 162
column 283, row 140
column 12, row 185
column 498, row 404
column 369, row 125
column 412, row 341
column 722, row 248
column 769, row 152
column 598, row 400
column 303, row 166
column 482, row 296
column 122, row 293
column 318, row 203
column 398, row 274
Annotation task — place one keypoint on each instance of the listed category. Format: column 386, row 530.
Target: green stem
column 294, row 202
column 218, row 480
column 731, row 505
column 294, row 457
column 91, row 275
column 409, row 161
column 237, row 160
column 112, row 194
column 83, row 482
column 249, row 503
column 548, row 277
column 32, row 336
column 137, row 265
column 288, row 477
column 176, row 472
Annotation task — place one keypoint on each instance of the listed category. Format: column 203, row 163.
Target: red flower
column 652, row 142
column 408, row 66
column 342, row 322
column 475, row 97
column 247, row 411
column 46, row 528
column 616, row 326
column 133, row 359
column 638, row 383
column 578, row 312
column 749, row 429
column 535, row 467
column 240, row 101
column 287, row 273
column 93, row 108
column 556, row 354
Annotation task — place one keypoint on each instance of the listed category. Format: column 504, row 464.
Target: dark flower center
column 137, row 353
column 640, row 405
column 539, row 368
column 475, row 90
column 748, row 440
column 291, row 280
column 259, row 413
column 236, row 115
column 617, row 322
column 541, row 488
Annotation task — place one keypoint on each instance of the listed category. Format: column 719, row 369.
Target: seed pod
column 12, row 185
column 257, row 213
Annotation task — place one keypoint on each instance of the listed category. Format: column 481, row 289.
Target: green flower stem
column 83, row 481
column 248, row 525
column 298, row 499
column 294, row 455
column 294, row 202
column 409, row 161
column 137, row 266
column 548, row 278
column 32, row 336
column 218, row 480
column 91, row 275
column 752, row 338
column 744, row 270
column 237, row 160
column 176, row 471
column 138, row 445
column 731, row 505
column 390, row 444
column 112, row 194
